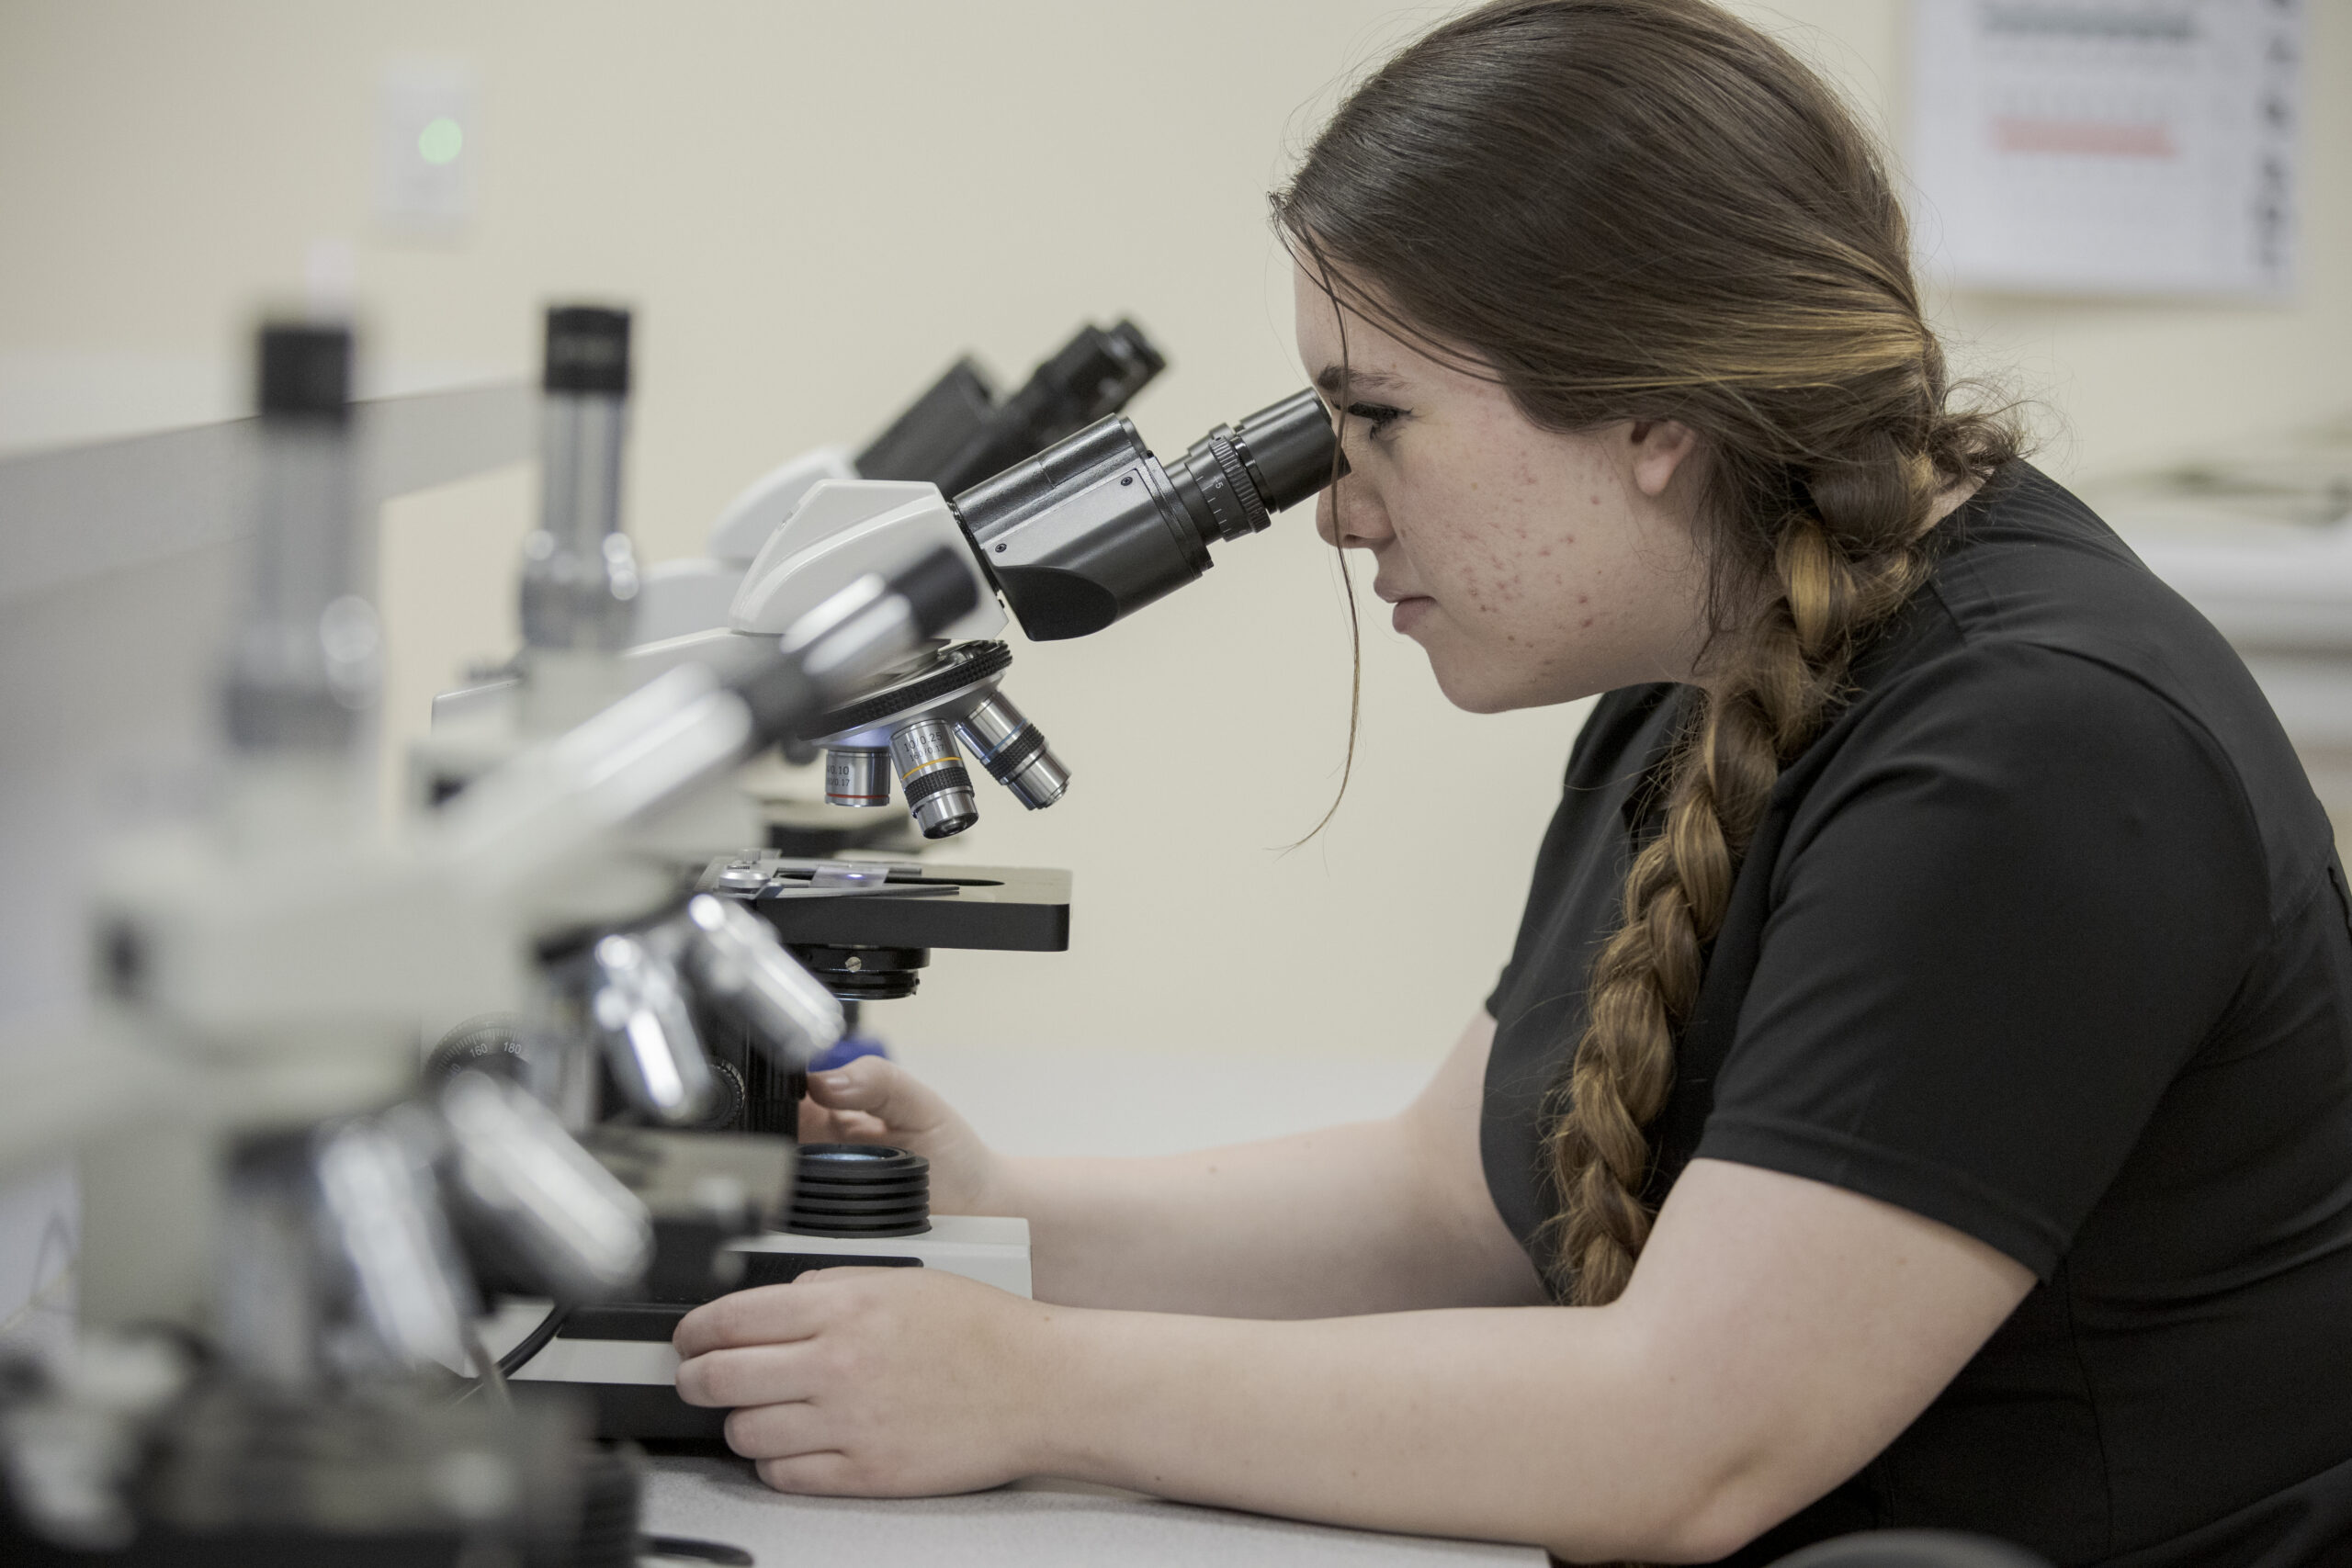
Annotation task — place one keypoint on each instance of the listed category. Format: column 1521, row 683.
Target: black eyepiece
column 587, row 350
column 305, row 370
column 1290, row 449
column 1094, row 528
column 1236, row 477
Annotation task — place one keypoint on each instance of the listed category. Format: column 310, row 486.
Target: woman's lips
column 1408, row 613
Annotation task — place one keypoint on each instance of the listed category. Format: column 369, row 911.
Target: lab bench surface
column 1042, row 1524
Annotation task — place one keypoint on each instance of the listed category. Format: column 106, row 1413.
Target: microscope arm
column 527, row 822
column 65, row 1081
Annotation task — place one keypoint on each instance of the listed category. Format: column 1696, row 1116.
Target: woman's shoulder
column 2025, row 562
column 2040, row 627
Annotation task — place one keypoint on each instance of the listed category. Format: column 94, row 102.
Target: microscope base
column 621, row 1356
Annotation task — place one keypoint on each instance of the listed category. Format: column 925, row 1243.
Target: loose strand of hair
column 1347, row 579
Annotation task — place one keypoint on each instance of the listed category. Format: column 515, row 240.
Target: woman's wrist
column 1070, row 1363
column 1003, row 1185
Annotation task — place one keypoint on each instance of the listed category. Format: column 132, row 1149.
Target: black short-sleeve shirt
column 2044, row 938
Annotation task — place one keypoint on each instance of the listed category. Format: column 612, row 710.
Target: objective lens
column 939, row 792
column 857, row 775
column 639, row 1011
column 1013, row 750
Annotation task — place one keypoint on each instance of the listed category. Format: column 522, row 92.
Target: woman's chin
column 1466, row 690
column 1477, row 687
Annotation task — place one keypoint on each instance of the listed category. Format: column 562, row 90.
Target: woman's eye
column 1379, row 416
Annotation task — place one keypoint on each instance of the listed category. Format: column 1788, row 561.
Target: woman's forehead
column 1374, row 359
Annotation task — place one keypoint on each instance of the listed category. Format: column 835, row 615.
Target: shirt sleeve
column 1997, row 934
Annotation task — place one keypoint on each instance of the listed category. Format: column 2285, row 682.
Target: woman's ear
column 1659, row 448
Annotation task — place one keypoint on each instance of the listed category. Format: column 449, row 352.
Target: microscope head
column 957, row 433
column 1073, row 540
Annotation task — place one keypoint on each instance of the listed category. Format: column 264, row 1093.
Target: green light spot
column 441, row 141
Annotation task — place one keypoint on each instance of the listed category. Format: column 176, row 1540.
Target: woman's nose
column 1347, row 517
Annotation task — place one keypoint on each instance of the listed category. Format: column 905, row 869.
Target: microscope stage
column 896, row 902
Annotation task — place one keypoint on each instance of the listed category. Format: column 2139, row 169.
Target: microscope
column 1071, row 540
column 282, row 1232
column 958, row 431
column 663, row 1073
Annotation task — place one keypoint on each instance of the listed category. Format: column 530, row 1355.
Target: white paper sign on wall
column 2128, row 147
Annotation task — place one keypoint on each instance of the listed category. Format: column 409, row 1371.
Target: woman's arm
column 1778, row 1333
column 1377, row 1216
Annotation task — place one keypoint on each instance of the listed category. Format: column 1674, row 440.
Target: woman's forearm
column 1378, row 1216
column 1312, row 1226
column 1532, row 1425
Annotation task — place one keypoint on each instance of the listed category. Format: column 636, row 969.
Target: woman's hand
column 873, row 1100
column 874, row 1382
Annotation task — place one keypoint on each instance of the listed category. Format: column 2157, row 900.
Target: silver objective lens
column 639, row 1011
column 737, row 961
column 1013, row 750
column 939, row 792
column 859, row 774
column 581, row 1233
column 385, row 1216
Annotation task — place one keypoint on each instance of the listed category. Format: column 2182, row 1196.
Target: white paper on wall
column 2106, row 146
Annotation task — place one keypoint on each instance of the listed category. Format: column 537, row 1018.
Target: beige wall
column 813, row 206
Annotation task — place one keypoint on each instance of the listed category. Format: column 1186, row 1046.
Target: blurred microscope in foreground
column 282, row 1235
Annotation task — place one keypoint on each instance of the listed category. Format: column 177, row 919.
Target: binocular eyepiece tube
column 1095, row 527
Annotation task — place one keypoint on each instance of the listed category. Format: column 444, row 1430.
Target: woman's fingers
column 826, row 1473
column 781, row 1430
column 878, row 1088
column 819, row 1125
column 756, row 1374
column 765, row 1315
column 913, row 1380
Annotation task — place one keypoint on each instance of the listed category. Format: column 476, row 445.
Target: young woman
column 1921, row 1091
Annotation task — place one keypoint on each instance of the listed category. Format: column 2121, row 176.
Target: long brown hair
column 1646, row 210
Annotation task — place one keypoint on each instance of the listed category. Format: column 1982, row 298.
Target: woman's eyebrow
column 1337, row 383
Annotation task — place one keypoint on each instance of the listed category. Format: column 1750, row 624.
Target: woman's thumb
column 864, row 1084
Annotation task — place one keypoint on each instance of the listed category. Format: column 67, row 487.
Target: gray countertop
column 1037, row 1524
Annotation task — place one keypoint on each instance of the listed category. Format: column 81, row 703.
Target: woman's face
column 1532, row 567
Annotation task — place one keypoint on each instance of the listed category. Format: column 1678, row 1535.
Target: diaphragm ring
column 855, row 1160
column 814, row 1225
